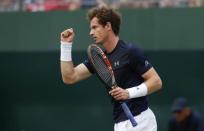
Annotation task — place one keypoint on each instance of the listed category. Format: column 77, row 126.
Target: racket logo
column 107, row 62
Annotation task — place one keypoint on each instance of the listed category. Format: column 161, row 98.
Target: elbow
column 68, row 81
column 158, row 83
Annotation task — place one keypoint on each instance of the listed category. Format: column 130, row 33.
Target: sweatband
column 66, row 51
column 137, row 91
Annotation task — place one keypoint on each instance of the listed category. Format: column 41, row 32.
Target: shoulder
column 131, row 47
column 134, row 51
column 128, row 44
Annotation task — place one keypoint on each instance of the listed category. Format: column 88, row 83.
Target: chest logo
column 146, row 63
column 116, row 64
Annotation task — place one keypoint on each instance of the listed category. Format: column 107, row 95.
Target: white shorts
column 146, row 121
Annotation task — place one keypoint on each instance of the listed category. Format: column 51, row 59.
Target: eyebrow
column 92, row 26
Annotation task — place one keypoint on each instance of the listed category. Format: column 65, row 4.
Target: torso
column 129, row 63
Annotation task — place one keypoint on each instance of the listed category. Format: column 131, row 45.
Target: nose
column 91, row 33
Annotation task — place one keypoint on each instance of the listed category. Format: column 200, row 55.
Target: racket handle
column 128, row 114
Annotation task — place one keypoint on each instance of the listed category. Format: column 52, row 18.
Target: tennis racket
column 105, row 73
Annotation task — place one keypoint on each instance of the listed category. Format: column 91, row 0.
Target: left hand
column 119, row 93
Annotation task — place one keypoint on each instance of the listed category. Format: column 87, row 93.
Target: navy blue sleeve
column 138, row 60
column 89, row 66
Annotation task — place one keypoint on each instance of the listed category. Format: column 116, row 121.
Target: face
column 98, row 32
column 181, row 115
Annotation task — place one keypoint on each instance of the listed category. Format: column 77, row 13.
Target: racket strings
column 101, row 67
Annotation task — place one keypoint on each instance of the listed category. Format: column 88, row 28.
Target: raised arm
column 70, row 74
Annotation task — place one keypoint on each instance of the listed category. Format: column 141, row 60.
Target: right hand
column 119, row 93
column 67, row 35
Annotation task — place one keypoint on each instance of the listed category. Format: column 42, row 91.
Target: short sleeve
column 138, row 61
column 89, row 66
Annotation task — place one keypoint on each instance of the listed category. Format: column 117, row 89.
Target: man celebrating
column 135, row 76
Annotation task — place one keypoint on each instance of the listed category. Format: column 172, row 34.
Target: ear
column 108, row 26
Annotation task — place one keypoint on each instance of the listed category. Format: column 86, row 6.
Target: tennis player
column 135, row 75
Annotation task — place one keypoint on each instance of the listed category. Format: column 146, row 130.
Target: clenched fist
column 67, row 35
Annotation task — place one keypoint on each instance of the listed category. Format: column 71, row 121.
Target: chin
column 98, row 43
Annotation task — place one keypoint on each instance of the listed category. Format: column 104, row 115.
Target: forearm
column 67, row 67
column 152, row 81
column 153, row 84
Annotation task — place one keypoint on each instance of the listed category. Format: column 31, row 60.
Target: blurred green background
column 34, row 98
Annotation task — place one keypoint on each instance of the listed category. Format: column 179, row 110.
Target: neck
column 111, row 43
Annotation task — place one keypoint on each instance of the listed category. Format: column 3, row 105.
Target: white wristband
column 137, row 91
column 66, row 51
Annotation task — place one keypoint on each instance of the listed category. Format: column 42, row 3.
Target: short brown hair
column 104, row 15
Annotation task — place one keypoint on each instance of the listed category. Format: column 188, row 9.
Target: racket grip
column 128, row 114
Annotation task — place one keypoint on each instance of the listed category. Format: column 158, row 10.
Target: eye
column 93, row 27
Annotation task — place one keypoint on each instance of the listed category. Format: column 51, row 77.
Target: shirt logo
column 116, row 64
column 146, row 63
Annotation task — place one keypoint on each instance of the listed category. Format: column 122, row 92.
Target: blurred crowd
column 49, row 5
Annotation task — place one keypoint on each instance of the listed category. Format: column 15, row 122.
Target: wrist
column 66, row 42
column 65, row 51
column 137, row 91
